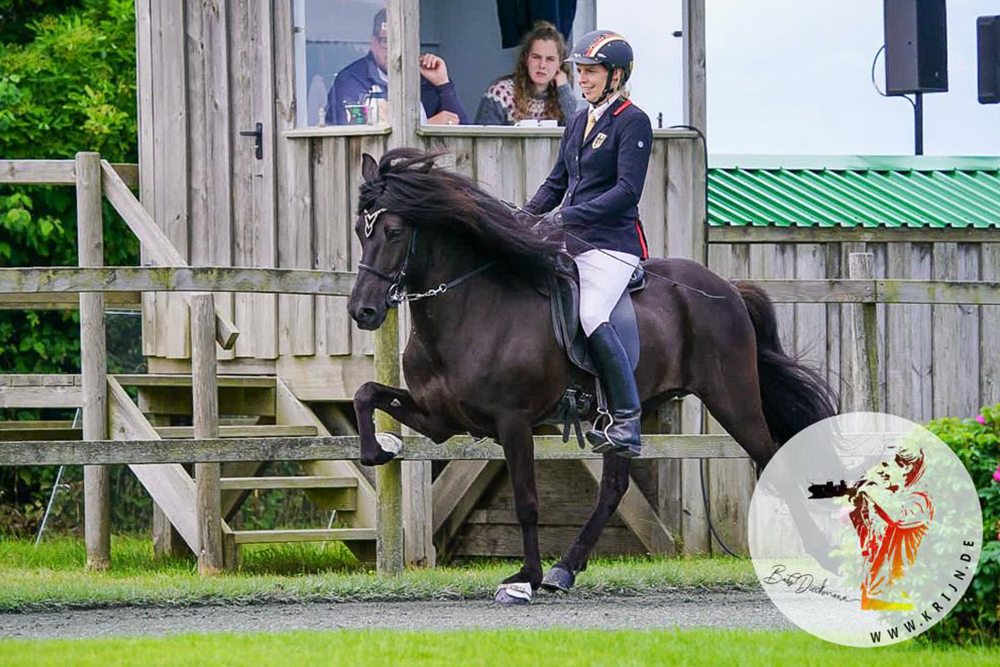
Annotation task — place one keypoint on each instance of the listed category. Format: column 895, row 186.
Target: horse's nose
column 366, row 316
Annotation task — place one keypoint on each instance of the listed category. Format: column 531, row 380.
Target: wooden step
column 40, row 430
column 171, row 380
column 243, row 431
column 303, row 482
column 309, row 535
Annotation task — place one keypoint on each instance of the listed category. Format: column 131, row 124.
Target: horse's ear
column 369, row 167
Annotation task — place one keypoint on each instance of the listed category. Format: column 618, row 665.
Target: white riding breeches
column 604, row 275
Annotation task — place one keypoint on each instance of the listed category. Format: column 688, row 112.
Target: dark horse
column 482, row 358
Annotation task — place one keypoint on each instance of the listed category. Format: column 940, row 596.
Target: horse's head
column 386, row 245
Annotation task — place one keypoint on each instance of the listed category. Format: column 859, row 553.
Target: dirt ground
column 684, row 608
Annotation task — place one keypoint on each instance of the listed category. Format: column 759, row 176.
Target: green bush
column 977, row 444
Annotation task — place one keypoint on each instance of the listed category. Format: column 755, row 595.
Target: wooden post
column 696, row 114
column 205, row 408
column 93, row 360
column 413, row 478
column 864, row 351
column 388, row 477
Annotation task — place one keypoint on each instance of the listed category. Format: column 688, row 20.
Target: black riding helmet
column 604, row 47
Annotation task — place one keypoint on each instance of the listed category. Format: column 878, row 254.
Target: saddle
column 563, row 290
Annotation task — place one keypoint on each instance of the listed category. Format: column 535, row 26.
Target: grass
column 509, row 648
column 53, row 576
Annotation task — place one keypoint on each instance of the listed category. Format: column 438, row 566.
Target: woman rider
column 598, row 179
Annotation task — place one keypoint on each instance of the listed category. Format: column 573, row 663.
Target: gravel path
column 685, row 608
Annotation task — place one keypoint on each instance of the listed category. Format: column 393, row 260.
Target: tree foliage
column 67, row 84
column 68, row 87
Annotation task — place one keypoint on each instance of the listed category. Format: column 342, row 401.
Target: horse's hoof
column 389, row 442
column 558, row 579
column 514, row 593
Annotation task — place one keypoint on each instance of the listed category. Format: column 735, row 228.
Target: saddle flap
column 564, row 297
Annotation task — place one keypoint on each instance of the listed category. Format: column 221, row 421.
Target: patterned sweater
column 497, row 104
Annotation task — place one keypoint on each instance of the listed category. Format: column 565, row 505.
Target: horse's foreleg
column 400, row 406
column 519, row 451
column 614, row 484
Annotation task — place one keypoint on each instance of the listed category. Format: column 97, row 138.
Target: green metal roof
column 839, row 191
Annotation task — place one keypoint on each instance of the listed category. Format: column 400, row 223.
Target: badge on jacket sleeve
column 598, row 140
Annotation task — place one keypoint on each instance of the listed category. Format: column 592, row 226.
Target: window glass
column 337, row 39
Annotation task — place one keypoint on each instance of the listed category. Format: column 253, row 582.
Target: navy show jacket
column 359, row 78
column 599, row 180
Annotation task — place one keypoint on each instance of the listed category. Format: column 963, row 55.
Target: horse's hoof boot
column 558, row 579
column 389, row 442
column 515, row 593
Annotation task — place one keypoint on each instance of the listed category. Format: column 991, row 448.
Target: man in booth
column 366, row 78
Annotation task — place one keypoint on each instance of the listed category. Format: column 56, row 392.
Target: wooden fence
column 208, row 328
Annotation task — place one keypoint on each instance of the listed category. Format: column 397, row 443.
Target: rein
column 397, row 293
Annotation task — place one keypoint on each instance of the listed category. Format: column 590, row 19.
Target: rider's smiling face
column 593, row 79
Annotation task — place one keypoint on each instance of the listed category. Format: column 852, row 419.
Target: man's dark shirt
column 355, row 81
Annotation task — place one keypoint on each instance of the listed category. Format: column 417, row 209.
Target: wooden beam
column 155, row 243
column 38, row 281
column 694, row 78
column 55, row 172
column 751, row 234
column 249, row 431
column 405, row 504
column 965, row 292
column 638, row 515
column 93, row 361
column 175, row 279
column 149, row 448
column 70, row 301
column 205, row 411
column 325, row 482
column 167, row 482
column 307, row 535
column 864, row 346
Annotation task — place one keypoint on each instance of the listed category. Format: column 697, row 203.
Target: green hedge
column 977, row 443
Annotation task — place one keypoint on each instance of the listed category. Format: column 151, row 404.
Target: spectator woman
column 538, row 89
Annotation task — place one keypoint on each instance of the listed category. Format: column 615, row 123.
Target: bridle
column 397, row 293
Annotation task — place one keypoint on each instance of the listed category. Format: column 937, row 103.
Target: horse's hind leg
column 514, row 434
column 614, row 484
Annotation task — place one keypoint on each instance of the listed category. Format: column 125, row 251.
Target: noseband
column 397, row 294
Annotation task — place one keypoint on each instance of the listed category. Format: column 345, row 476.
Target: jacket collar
column 604, row 120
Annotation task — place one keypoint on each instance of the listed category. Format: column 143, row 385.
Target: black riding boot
column 618, row 381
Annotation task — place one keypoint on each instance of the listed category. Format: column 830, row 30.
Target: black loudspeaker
column 988, row 36
column 916, row 47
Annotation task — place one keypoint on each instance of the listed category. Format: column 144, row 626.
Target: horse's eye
column 394, row 233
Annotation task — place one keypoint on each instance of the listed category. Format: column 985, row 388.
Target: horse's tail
column 793, row 395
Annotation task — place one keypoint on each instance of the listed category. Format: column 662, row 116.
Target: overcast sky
column 794, row 77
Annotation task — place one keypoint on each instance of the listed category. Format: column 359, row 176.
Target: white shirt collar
column 599, row 111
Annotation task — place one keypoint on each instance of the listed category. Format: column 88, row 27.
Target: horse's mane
column 410, row 185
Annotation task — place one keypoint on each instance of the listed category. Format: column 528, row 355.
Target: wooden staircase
column 332, row 485
column 250, row 406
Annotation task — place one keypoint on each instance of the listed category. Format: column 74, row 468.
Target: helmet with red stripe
column 604, row 47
